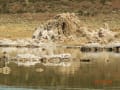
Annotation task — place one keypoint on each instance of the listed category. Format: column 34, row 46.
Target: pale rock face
column 67, row 26
column 106, row 34
column 62, row 24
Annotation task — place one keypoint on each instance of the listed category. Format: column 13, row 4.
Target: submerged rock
column 6, row 70
column 39, row 70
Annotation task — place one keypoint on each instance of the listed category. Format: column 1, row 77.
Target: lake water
column 88, row 71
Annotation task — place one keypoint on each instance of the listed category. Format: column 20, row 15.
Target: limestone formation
column 61, row 25
column 67, row 27
column 105, row 34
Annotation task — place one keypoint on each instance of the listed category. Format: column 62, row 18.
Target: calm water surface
column 102, row 72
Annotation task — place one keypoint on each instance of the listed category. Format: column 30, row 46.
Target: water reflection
column 101, row 72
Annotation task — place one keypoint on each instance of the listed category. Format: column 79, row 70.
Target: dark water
column 100, row 72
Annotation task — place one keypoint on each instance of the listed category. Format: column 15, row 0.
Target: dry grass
column 16, row 31
column 20, row 25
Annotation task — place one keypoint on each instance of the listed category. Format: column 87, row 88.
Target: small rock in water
column 6, row 70
column 39, row 70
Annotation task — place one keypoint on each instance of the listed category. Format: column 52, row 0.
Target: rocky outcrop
column 62, row 25
column 67, row 26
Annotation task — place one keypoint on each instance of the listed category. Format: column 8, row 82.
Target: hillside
column 87, row 7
